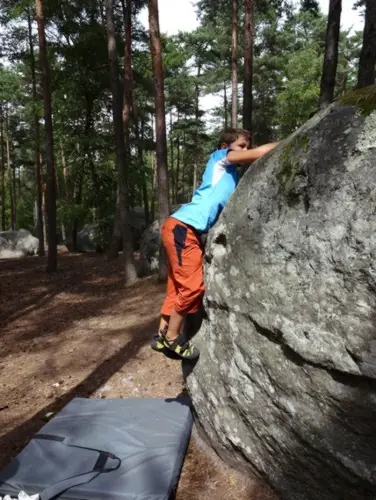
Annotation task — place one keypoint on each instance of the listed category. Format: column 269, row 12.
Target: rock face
column 16, row 244
column 286, row 383
column 149, row 247
column 89, row 239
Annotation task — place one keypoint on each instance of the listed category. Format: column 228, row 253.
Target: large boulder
column 87, row 239
column 286, row 383
column 17, row 244
column 91, row 238
column 149, row 247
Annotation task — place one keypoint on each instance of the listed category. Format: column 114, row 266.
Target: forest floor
column 79, row 332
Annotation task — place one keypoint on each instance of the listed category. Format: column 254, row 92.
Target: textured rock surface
column 149, row 247
column 17, row 244
column 90, row 240
column 285, row 385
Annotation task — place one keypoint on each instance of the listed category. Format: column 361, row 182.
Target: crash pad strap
column 100, row 467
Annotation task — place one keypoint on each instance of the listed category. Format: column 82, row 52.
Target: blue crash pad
column 113, row 449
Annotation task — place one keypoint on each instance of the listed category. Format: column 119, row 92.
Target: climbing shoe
column 157, row 340
column 183, row 349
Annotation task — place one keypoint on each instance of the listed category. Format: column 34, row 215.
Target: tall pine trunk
column 225, row 104
column 12, row 194
column 3, row 221
column 248, row 66
column 177, row 163
column 154, row 185
column 66, row 192
column 197, row 117
column 51, row 172
column 116, row 238
column 140, row 137
column 367, row 60
column 161, row 141
column 38, row 169
column 121, row 159
column 172, row 156
column 14, row 198
column 234, row 69
column 328, row 79
column 184, row 165
column 140, row 151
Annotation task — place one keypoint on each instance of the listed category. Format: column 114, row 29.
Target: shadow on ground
column 12, row 442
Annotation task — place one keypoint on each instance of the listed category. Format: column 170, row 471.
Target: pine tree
column 120, row 149
column 367, row 60
column 51, row 172
column 234, row 80
column 160, row 122
column 248, row 66
column 38, row 166
column 328, row 79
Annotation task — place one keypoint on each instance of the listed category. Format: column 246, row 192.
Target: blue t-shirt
column 218, row 183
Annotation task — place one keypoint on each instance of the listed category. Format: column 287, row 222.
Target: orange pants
column 185, row 285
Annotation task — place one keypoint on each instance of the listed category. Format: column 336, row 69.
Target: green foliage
column 299, row 99
column 25, row 213
column 288, row 48
column 364, row 99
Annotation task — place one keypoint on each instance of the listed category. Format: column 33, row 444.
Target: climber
column 182, row 236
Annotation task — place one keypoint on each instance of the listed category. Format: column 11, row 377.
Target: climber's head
column 236, row 139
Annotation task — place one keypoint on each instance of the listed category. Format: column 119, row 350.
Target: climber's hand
column 247, row 156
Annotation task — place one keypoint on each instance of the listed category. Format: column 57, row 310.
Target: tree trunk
column 38, row 169
column 3, row 221
column 12, row 194
column 129, row 265
column 225, row 103
column 154, row 186
column 127, row 21
column 129, row 109
column 60, row 194
column 51, row 173
column 68, row 240
column 19, row 185
column 140, row 136
column 328, row 79
column 234, row 79
column 183, row 170
column 367, row 60
column 248, row 66
column 161, row 141
column 197, row 117
column 116, row 238
column 172, row 171
column 14, row 199
column 128, row 91
column 77, row 201
column 177, row 163
column 344, row 83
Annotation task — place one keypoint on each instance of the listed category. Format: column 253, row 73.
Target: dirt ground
column 81, row 333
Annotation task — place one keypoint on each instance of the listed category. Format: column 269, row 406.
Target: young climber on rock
column 181, row 237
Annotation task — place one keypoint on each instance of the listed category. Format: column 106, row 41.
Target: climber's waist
column 200, row 235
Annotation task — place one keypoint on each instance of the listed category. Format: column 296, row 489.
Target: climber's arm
column 250, row 155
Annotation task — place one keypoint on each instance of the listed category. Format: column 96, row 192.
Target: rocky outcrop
column 286, row 382
column 92, row 238
column 17, row 244
column 87, row 239
column 149, row 247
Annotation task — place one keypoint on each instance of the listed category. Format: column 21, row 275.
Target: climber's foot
column 157, row 340
column 185, row 350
